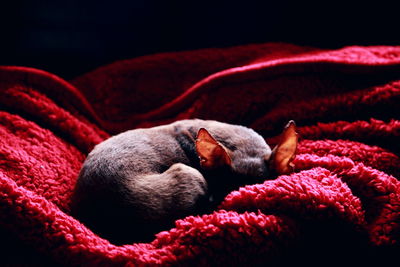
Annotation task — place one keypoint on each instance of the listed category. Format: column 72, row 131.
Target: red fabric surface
column 345, row 190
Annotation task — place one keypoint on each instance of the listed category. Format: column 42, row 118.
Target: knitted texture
column 343, row 198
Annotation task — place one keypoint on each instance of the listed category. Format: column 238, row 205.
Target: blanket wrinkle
column 63, row 112
column 343, row 198
column 358, row 102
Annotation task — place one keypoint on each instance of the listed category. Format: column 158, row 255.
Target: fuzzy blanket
column 341, row 204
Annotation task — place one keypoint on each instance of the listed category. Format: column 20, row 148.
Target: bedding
column 342, row 201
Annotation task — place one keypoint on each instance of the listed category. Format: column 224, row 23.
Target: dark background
column 69, row 38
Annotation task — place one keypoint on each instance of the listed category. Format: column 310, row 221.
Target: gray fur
column 151, row 176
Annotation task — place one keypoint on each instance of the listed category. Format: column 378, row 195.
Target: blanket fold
column 343, row 198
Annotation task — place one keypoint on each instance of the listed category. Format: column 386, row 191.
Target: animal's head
column 246, row 154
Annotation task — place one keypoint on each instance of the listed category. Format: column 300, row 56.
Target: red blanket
column 343, row 199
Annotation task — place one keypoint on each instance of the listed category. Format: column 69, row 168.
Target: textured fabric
column 342, row 200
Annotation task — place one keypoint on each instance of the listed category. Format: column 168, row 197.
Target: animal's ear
column 284, row 153
column 212, row 154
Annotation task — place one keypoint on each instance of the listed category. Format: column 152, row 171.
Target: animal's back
column 107, row 193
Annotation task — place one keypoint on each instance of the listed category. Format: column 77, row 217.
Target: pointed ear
column 285, row 152
column 212, row 154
